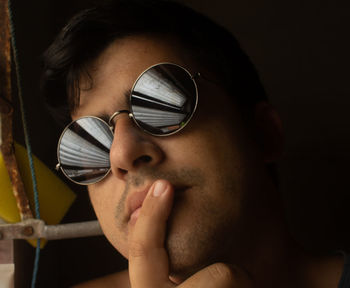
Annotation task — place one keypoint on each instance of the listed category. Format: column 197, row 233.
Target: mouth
column 134, row 204
column 134, row 215
column 180, row 191
column 136, row 199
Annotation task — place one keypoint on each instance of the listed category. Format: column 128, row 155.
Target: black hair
column 89, row 32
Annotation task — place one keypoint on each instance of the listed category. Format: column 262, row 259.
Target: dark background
column 301, row 49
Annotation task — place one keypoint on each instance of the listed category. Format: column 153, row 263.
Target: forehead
column 114, row 72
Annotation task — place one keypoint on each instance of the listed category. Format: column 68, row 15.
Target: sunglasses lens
column 163, row 99
column 83, row 150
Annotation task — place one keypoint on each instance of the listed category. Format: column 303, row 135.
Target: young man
column 187, row 191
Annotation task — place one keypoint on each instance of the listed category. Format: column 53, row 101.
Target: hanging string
column 26, row 137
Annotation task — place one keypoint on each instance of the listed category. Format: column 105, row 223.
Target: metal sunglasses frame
column 131, row 115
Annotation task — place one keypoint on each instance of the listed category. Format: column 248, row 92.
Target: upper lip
column 135, row 199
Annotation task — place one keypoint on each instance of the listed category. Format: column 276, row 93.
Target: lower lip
column 134, row 216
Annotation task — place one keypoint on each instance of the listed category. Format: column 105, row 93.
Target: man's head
column 216, row 164
column 91, row 31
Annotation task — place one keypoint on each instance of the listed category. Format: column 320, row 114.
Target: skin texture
column 221, row 204
column 200, row 219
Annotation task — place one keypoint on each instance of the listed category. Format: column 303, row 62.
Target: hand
column 148, row 259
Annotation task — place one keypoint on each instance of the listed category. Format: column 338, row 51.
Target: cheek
column 105, row 199
column 103, row 202
column 206, row 147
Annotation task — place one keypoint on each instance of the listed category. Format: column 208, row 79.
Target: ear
column 269, row 132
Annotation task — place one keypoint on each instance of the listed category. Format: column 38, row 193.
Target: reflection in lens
column 84, row 150
column 163, row 99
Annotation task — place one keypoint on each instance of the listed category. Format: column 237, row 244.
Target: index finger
column 148, row 259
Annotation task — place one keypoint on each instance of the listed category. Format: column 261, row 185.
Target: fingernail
column 159, row 188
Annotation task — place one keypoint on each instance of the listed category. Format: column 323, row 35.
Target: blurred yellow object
column 55, row 197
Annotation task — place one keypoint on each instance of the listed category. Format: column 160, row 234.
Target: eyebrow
column 126, row 94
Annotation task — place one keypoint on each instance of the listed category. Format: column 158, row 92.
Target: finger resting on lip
column 148, row 259
column 150, row 226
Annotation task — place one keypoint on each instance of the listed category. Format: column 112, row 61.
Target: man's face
column 212, row 164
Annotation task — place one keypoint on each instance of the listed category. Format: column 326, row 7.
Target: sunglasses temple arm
column 200, row 75
column 196, row 75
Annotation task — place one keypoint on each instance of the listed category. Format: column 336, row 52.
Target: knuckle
column 222, row 272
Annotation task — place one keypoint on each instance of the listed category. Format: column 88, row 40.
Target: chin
column 196, row 241
column 186, row 256
column 181, row 269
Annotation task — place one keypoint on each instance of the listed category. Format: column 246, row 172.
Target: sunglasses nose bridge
column 115, row 114
column 132, row 149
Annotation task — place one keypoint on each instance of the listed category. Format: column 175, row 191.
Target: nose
column 132, row 149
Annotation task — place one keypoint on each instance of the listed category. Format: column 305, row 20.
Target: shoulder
column 345, row 277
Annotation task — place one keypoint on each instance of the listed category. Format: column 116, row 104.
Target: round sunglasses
column 163, row 100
